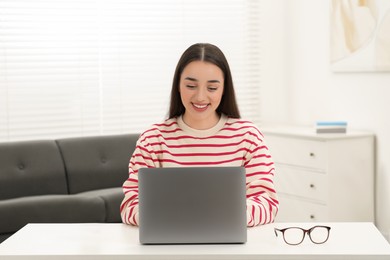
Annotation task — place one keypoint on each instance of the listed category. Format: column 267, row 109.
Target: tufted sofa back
column 96, row 162
column 29, row 168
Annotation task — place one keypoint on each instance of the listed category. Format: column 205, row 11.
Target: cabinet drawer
column 295, row 210
column 301, row 182
column 297, row 151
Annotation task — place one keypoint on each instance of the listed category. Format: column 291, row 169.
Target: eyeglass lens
column 293, row 236
column 319, row 234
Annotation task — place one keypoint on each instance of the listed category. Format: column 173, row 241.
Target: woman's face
column 201, row 89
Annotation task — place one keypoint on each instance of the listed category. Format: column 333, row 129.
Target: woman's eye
column 212, row 88
column 190, row 86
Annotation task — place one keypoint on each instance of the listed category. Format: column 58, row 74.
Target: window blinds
column 91, row 67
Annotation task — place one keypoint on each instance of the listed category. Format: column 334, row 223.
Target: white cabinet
column 322, row 177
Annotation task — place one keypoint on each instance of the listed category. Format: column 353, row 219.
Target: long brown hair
column 209, row 53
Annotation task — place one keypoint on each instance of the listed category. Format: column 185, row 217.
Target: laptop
column 192, row 205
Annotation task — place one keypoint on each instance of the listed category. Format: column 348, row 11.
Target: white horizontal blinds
column 139, row 50
column 71, row 68
column 48, row 57
column 248, row 80
column 3, row 109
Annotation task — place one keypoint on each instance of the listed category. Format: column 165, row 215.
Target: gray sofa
column 71, row 180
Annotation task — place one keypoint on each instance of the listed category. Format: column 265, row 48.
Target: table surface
column 120, row 241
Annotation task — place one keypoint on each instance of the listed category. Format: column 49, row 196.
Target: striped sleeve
column 129, row 206
column 262, row 202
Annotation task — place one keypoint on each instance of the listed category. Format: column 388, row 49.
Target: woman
column 204, row 128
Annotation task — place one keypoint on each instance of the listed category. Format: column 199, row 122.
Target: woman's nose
column 200, row 94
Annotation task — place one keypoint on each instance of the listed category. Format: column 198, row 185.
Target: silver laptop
column 192, row 205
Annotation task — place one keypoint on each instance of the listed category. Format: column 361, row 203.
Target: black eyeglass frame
column 305, row 231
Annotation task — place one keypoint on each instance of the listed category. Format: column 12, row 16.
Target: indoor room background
column 80, row 68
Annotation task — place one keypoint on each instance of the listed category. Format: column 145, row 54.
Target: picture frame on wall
column 360, row 35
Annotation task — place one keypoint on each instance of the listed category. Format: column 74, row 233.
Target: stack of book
column 325, row 127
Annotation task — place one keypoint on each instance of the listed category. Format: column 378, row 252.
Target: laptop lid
column 192, row 205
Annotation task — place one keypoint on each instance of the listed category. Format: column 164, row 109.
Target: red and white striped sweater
column 232, row 142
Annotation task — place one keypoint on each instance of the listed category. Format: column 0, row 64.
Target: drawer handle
column 312, row 154
column 312, row 185
column 312, row 217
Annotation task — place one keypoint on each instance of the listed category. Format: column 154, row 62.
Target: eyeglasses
column 295, row 235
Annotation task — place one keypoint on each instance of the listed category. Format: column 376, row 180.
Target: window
column 90, row 67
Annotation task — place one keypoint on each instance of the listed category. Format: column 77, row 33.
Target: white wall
column 298, row 86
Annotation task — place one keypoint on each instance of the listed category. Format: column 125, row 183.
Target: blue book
column 326, row 127
column 332, row 123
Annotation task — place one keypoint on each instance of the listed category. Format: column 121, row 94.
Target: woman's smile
column 200, row 107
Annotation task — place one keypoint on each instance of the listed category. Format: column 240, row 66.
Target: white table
column 120, row 241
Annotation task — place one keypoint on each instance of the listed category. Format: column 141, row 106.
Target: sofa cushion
column 15, row 213
column 96, row 162
column 29, row 168
column 112, row 198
